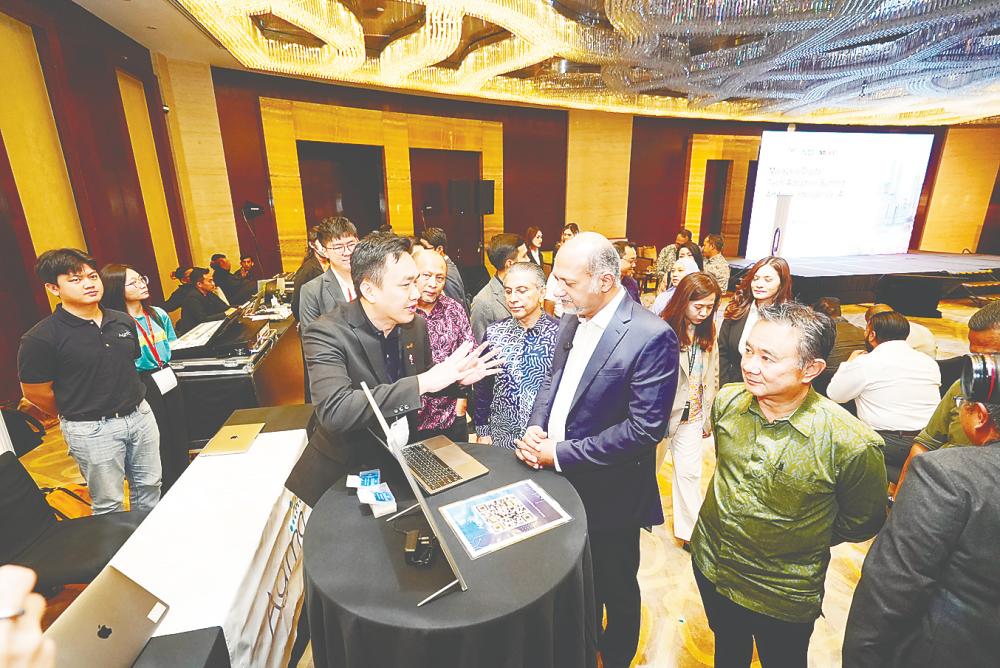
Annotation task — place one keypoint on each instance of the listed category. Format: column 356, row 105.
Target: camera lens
column 979, row 378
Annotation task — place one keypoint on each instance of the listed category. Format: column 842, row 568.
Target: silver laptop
column 437, row 463
column 108, row 625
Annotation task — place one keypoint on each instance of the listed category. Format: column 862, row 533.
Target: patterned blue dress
column 504, row 401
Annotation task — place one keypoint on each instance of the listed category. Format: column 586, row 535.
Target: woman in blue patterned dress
column 526, row 342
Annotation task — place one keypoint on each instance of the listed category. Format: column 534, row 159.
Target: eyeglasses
column 959, row 400
column 343, row 249
column 137, row 281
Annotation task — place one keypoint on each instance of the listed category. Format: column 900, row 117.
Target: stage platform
column 912, row 283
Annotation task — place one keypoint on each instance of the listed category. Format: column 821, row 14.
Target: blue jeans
column 113, row 449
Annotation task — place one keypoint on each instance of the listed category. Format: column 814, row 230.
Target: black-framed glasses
column 343, row 249
column 959, row 400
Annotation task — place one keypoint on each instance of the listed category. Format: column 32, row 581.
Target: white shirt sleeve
column 848, row 382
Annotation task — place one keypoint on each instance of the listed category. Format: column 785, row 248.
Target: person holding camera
column 930, row 586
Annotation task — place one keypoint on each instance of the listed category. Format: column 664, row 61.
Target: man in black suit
column 597, row 419
column 929, row 592
column 378, row 339
column 434, row 238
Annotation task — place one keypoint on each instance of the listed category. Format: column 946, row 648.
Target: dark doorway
column 445, row 186
column 343, row 180
column 713, row 203
column 747, row 207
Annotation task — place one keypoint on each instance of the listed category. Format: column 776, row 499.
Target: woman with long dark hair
column 533, row 240
column 691, row 314
column 768, row 282
column 126, row 290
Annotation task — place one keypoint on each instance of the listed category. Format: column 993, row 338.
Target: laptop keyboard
column 429, row 467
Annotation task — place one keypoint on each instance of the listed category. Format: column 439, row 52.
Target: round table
column 528, row 605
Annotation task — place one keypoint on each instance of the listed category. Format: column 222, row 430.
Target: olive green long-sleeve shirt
column 782, row 494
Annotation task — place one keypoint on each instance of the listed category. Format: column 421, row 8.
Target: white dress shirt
column 894, row 386
column 345, row 286
column 588, row 335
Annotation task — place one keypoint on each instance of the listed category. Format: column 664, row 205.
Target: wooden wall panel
column 150, row 181
column 740, row 149
column 525, row 148
column 246, row 166
column 26, row 304
column 597, row 171
column 34, row 150
column 962, row 190
column 285, row 122
column 199, row 156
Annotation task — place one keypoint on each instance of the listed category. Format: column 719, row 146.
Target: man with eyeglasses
column 336, row 239
column 79, row 364
column 447, row 328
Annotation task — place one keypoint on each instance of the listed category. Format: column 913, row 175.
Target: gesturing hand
column 463, row 366
column 21, row 641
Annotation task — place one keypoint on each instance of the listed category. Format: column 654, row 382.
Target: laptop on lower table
column 108, row 625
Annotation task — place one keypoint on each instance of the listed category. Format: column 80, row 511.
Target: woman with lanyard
column 126, row 290
column 691, row 314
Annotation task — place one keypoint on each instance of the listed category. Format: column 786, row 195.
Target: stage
column 912, row 283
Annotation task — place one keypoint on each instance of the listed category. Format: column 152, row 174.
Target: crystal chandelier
column 843, row 61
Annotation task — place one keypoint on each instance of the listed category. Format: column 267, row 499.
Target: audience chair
column 61, row 552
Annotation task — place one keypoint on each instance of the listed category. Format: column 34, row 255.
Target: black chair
column 951, row 369
column 67, row 552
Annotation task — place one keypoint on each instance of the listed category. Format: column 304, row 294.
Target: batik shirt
column 504, row 401
column 447, row 328
column 784, row 492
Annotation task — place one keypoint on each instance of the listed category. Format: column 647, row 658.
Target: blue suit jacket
column 619, row 413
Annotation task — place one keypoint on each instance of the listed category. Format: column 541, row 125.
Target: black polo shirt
column 92, row 369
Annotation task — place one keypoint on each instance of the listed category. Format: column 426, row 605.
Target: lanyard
column 692, row 357
column 148, row 337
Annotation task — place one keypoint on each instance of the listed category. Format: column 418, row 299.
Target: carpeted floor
column 674, row 630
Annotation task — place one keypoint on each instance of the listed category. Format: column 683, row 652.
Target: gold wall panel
column 598, row 159
column 962, row 190
column 196, row 143
column 286, row 122
column 33, row 147
column 147, row 165
column 702, row 148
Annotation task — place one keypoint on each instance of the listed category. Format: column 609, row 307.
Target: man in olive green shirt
column 796, row 473
column 944, row 430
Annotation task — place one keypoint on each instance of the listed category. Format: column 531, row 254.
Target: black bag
column 25, row 431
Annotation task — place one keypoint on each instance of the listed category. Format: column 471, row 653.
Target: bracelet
column 10, row 614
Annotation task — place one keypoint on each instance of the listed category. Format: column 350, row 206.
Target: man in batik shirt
column 526, row 342
column 447, row 328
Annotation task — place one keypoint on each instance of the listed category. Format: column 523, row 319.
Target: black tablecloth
column 529, row 605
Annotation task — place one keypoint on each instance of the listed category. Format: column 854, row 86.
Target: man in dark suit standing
column 930, row 587
column 597, row 419
column 377, row 339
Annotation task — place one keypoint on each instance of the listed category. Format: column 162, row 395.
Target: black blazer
column 341, row 352
column 730, row 354
column 618, row 414
column 929, row 594
column 199, row 308
column 308, row 270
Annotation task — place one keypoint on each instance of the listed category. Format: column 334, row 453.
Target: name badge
column 165, row 379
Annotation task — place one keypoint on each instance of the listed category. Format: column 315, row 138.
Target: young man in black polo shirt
column 79, row 363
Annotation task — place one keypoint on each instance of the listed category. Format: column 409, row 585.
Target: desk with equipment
column 252, row 358
column 529, row 604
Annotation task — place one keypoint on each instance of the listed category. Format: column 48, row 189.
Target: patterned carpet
column 674, row 630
